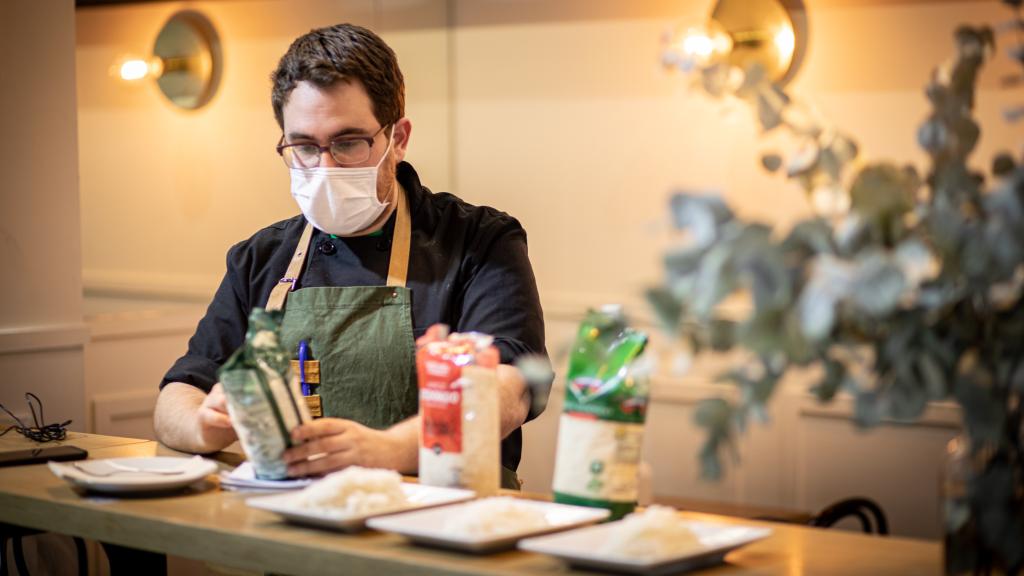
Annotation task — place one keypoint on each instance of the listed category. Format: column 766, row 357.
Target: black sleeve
column 221, row 331
column 500, row 298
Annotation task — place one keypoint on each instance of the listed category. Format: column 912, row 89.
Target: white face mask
column 340, row 201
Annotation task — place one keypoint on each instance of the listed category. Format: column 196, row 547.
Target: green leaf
column 946, row 229
column 762, row 332
column 1017, row 380
column 804, row 160
column 878, row 285
column 984, row 414
column 703, row 216
column 933, row 376
column 710, row 463
column 715, row 80
column 967, row 135
column 771, row 162
column 830, row 281
column 883, row 191
column 905, row 399
column 667, row 308
column 715, row 280
column 722, row 334
column 714, row 414
column 867, row 412
column 1003, row 164
column 809, row 237
column 933, row 135
column 683, row 261
column 835, row 375
column 771, row 102
column 915, row 261
column 753, row 80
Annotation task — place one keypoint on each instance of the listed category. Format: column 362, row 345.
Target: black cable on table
column 40, row 432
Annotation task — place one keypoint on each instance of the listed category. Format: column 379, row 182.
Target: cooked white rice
column 656, row 532
column 356, row 490
column 495, row 516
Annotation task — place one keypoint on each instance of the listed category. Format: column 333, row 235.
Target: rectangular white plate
column 427, row 526
column 420, row 496
column 587, row 548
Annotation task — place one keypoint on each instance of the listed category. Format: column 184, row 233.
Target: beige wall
column 165, row 192
column 565, row 119
column 556, row 112
column 41, row 330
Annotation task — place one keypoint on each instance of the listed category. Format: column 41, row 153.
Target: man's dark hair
column 339, row 53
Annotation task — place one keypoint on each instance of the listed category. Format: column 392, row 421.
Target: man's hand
column 215, row 427
column 344, row 443
column 190, row 420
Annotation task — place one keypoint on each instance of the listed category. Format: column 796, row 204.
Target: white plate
column 147, row 479
column 420, row 496
column 427, row 526
column 587, row 547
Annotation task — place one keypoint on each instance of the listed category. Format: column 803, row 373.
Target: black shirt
column 468, row 268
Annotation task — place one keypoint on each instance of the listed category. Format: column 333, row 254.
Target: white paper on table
column 244, row 478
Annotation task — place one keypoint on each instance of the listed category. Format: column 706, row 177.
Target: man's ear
column 403, row 129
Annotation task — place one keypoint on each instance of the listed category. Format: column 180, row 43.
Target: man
column 372, row 262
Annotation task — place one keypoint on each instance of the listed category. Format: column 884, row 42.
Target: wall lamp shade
column 186, row 61
column 771, row 34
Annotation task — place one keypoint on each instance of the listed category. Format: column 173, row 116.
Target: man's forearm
column 513, row 398
column 176, row 423
column 406, row 446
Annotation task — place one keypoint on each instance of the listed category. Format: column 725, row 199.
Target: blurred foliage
column 905, row 288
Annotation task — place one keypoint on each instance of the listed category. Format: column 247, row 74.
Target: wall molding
column 43, row 337
column 138, row 284
column 113, row 413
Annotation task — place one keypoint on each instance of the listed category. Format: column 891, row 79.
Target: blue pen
column 303, row 356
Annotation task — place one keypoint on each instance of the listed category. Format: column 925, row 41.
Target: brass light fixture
column 186, row 61
column 769, row 33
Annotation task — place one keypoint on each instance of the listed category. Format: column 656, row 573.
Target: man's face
column 316, row 115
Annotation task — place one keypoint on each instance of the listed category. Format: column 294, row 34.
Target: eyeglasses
column 346, row 150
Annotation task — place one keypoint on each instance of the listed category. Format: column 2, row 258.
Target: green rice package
column 601, row 428
column 264, row 402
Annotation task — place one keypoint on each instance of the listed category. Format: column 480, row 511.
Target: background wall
column 557, row 112
column 166, row 192
column 41, row 329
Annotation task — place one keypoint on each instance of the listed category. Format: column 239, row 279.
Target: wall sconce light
column 186, row 61
column 769, row 33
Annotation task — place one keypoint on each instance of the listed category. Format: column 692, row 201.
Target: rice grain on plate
column 356, row 491
column 495, row 516
column 656, row 532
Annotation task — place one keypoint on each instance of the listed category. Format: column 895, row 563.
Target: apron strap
column 291, row 275
column 398, row 266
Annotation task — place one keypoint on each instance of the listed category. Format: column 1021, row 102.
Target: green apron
column 360, row 336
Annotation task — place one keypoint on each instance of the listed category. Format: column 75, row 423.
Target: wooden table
column 206, row 523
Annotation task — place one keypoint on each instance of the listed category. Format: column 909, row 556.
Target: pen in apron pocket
column 303, row 357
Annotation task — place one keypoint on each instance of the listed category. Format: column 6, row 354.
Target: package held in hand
column 265, row 404
column 460, row 438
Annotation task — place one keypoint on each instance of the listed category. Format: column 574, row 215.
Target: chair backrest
column 863, row 509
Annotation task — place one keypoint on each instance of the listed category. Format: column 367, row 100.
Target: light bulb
column 703, row 45
column 134, row 69
column 131, row 68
